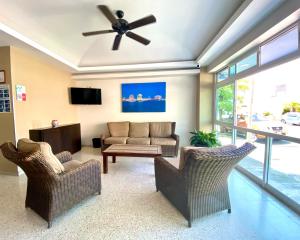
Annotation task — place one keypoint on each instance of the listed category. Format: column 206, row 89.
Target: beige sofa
column 143, row 133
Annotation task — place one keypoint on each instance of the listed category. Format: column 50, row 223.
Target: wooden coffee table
column 128, row 150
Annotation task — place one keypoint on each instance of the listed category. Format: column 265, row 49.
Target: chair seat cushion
column 26, row 145
column 139, row 141
column 163, row 141
column 115, row 140
column 70, row 165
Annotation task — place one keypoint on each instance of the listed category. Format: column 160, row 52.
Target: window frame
column 269, row 136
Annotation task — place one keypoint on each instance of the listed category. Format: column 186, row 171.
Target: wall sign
column 4, row 98
column 21, row 93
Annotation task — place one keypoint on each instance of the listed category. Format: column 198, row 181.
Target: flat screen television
column 86, row 96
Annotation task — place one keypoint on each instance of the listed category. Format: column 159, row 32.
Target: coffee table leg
column 105, row 163
column 114, row 159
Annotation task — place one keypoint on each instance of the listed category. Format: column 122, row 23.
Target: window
column 281, row 46
column 264, row 108
column 246, row 63
column 254, row 162
column 222, row 75
column 284, row 174
column 225, row 103
column 232, row 70
column 224, row 134
column 269, row 101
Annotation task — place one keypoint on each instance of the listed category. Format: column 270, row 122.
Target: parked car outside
column 265, row 124
column 292, row 118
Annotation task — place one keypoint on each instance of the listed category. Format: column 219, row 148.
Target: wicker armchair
column 48, row 193
column 200, row 187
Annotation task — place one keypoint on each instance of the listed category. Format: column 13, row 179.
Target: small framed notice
column 2, row 76
column 4, row 98
column 21, row 93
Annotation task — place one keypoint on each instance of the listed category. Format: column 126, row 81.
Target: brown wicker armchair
column 200, row 187
column 48, row 193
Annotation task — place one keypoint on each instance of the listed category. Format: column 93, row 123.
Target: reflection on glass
column 222, row 75
column 284, row 173
column 254, row 162
column 280, row 46
column 224, row 134
column 225, row 103
column 246, row 63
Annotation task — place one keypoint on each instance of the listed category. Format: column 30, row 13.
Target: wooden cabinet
column 61, row 138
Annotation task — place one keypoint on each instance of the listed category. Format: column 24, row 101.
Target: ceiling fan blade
column 142, row 22
column 138, row 38
column 108, row 14
column 97, row 32
column 117, row 42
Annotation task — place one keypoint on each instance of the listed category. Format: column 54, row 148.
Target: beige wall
column 47, row 93
column 180, row 106
column 6, row 119
column 205, row 100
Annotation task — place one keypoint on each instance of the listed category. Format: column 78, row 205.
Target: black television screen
column 86, row 96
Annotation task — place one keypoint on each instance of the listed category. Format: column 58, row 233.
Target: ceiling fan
column 121, row 26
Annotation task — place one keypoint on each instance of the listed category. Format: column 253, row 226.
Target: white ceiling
column 186, row 32
column 183, row 28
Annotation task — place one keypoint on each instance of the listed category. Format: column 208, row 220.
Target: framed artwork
column 4, row 98
column 144, row 97
column 2, row 76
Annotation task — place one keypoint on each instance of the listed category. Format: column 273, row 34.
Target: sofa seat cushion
column 70, row 165
column 138, row 141
column 115, row 140
column 163, row 141
column 26, row 145
column 160, row 129
column 118, row 129
column 139, row 130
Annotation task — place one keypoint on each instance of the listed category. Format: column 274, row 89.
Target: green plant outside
column 204, row 139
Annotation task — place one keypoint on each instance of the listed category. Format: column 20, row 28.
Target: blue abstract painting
column 144, row 97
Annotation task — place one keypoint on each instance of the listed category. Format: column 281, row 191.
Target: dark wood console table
column 62, row 138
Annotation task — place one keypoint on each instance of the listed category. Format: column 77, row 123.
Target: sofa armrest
column 64, row 156
column 104, row 135
column 176, row 137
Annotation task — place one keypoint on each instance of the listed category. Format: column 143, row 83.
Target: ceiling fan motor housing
column 121, row 26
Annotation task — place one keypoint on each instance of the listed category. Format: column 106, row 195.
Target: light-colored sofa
column 143, row 133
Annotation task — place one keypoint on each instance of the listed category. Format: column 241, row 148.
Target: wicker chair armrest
column 165, row 165
column 64, row 156
column 85, row 170
column 167, row 177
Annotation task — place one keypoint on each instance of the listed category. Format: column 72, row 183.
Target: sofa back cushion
column 160, row 129
column 26, row 145
column 139, row 130
column 118, row 129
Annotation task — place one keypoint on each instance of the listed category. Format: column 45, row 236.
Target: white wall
column 180, row 106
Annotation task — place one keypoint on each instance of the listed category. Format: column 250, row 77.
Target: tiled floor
column 130, row 208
